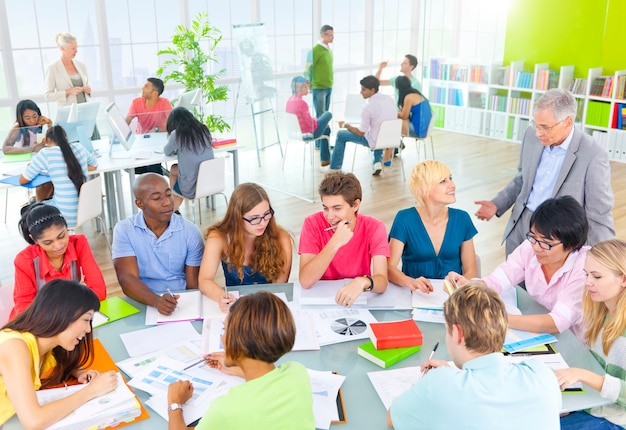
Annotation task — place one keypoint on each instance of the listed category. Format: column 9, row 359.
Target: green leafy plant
column 188, row 62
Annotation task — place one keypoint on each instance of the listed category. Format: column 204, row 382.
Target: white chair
column 6, row 303
column 353, row 109
column 90, row 206
column 294, row 134
column 389, row 136
column 422, row 140
column 211, row 180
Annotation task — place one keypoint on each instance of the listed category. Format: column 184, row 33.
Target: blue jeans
column 344, row 136
column 584, row 421
column 321, row 100
column 323, row 129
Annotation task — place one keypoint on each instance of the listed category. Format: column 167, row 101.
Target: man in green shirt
column 319, row 70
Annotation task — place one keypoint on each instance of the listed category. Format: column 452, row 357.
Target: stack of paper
column 325, row 386
column 108, row 410
column 389, row 384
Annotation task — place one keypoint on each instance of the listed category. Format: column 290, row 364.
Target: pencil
column 431, row 356
column 332, row 227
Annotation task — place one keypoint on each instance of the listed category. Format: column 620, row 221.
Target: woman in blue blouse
column 248, row 243
column 431, row 238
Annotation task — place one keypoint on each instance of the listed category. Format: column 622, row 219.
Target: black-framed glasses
column 543, row 128
column 543, row 245
column 256, row 220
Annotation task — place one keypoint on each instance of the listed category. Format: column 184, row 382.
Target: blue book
column 37, row 181
column 517, row 340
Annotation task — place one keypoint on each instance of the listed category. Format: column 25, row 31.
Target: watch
column 370, row 287
column 174, row 407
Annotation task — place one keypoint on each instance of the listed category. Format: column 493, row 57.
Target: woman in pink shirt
column 550, row 263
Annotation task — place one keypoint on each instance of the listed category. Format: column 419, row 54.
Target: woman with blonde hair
column 431, row 238
column 604, row 316
column 251, row 247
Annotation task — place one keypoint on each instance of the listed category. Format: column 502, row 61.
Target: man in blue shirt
column 488, row 392
column 156, row 250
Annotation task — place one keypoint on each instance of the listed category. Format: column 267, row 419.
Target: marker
column 332, row 227
column 430, row 357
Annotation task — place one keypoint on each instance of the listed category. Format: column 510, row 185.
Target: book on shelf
column 477, row 75
column 601, row 86
column 385, row 357
column 476, row 99
column 547, row 79
column 620, row 87
column 598, row 113
column 395, row 334
column 578, row 86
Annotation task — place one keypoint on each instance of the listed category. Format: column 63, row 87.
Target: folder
column 116, row 308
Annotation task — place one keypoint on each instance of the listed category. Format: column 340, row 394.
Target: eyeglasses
column 543, row 245
column 543, row 128
column 258, row 219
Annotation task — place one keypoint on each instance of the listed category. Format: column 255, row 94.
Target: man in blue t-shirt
column 156, row 251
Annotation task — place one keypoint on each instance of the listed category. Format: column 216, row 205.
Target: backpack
column 421, row 114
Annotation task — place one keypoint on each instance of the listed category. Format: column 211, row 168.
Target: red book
column 223, row 142
column 395, row 334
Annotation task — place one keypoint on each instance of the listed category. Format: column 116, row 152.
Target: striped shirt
column 51, row 160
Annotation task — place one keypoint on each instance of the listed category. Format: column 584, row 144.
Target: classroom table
column 363, row 407
column 110, row 165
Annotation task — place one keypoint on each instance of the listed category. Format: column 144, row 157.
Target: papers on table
column 323, row 293
column 433, row 300
column 429, row 315
column 553, row 361
column 389, row 384
column 325, row 386
column 341, row 325
column 187, row 353
column 110, row 409
column 153, row 339
column 188, row 308
column 99, row 319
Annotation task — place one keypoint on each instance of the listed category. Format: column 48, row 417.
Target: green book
column 115, row 308
column 17, row 158
column 385, row 357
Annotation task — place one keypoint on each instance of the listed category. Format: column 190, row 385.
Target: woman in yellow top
column 45, row 345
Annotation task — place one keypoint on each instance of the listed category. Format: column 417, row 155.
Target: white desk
column 111, row 168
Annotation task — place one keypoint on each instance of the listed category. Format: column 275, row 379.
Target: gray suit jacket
column 585, row 175
column 58, row 80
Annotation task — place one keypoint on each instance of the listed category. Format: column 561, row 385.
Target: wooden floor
column 480, row 168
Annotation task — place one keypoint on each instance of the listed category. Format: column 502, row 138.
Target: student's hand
column 567, row 377
column 87, row 90
column 433, row 364
column 460, row 280
column 487, row 209
column 215, row 360
column 85, row 376
column 342, row 235
column 179, row 392
column 347, row 295
column 225, row 303
column 167, row 303
column 421, row 284
column 102, row 383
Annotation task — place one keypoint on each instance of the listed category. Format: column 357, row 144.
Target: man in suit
column 556, row 159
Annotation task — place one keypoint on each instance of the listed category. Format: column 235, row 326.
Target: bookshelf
column 496, row 100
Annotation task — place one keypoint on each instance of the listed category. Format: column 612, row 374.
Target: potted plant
column 188, row 62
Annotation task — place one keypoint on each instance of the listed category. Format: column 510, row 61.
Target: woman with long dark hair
column 408, row 97
column 52, row 254
column 191, row 141
column 251, row 247
column 22, row 137
column 45, row 345
column 67, row 165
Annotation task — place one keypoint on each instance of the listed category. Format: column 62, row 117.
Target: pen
column 226, row 292
column 170, row 292
column 431, row 356
column 194, row 364
column 332, row 227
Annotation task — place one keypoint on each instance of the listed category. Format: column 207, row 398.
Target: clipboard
column 340, row 408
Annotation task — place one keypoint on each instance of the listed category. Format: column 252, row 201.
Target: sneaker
column 327, row 169
column 387, row 163
column 325, row 163
column 378, row 167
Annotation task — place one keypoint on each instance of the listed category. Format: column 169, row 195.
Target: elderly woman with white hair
column 431, row 238
column 67, row 80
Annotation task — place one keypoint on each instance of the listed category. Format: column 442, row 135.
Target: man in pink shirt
column 151, row 110
column 340, row 243
column 550, row 262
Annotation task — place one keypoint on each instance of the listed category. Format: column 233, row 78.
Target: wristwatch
column 174, row 407
column 370, row 287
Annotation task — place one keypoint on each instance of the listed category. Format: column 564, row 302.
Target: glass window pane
column 83, row 21
column 24, row 33
column 29, row 73
column 51, row 19
column 142, row 21
column 90, row 55
column 168, row 17
column 117, row 21
column 357, row 15
column 3, row 80
column 122, row 66
column 145, row 61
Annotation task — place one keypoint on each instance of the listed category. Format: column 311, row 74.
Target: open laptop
column 124, row 134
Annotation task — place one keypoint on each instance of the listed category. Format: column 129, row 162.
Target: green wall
column 585, row 33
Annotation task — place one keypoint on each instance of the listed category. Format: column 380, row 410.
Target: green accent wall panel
column 585, row 33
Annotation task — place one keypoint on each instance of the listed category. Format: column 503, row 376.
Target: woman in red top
column 53, row 254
